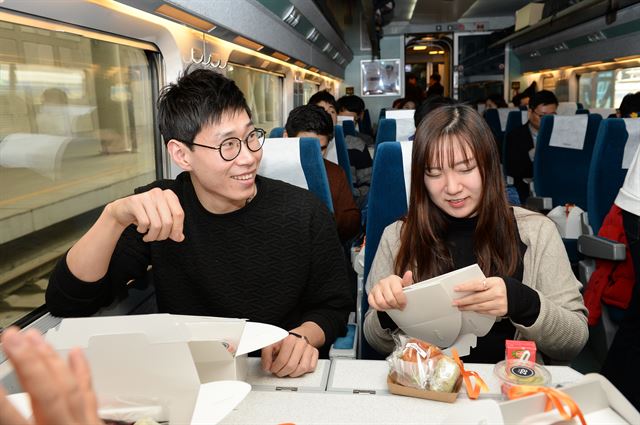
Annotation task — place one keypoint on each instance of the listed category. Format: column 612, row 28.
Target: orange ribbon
column 554, row 397
column 472, row 391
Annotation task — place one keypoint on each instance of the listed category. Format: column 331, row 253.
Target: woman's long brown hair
column 422, row 239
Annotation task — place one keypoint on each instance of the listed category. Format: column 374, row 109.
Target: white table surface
column 271, row 407
column 340, row 405
column 265, row 381
column 371, row 375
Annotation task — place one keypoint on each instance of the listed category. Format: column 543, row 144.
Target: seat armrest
column 345, row 346
column 584, row 224
column 586, row 268
column 539, row 203
column 601, row 248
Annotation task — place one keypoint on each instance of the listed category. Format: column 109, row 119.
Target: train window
column 302, row 92
column 605, row 89
column 76, row 132
column 596, row 89
column 309, row 89
column 263, row 92
column 549, row 83
column 298, row 94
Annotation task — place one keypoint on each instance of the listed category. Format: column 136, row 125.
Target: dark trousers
column 621, row 365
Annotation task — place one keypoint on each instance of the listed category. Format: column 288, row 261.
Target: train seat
column 386, row 131
column 561, row 165
column 297, row 161
column 348, row 126
column 365, row 124
column 567, row 108
column 41, row 153
column 617, row 142
column 563, row 153
column 342, row 154
column 603, row 112
column 515, row 119
column 405, row 124
column 497, row 121
column 388, row 202
column 612, row 154
column 276, row 132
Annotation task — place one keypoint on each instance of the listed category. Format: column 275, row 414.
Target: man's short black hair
column 198, row 98
column 543, row 97
column 498, row 100
column 311, row 118
column 351, row 103
column 435, row 77
column 630, row 104
column 432, row 102
column 323, row 96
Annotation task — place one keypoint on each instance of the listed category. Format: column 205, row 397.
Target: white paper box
column 163, row 359
column 599, row 401
column 430, row 315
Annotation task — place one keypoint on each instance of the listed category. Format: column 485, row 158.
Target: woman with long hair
column 459, row 215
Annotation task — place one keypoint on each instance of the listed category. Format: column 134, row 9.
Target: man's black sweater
column 277, row 260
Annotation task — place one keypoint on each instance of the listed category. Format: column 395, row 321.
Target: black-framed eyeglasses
column 230, row 148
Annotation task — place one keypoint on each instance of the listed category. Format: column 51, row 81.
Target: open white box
column 169, row 365
column 599, row 401
column 431, row 316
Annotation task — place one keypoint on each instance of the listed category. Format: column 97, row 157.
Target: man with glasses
column 313, row 121
column 520, row 143
column 221, row 240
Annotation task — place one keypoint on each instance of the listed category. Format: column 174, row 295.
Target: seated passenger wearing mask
column 521, row 142
column 221, row 240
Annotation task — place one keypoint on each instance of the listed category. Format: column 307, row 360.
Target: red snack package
column 520, row 350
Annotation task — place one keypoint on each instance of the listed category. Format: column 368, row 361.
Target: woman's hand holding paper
column 488, row 296
column 387, row 293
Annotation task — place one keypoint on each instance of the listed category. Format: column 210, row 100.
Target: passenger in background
column 629, row 106
column 521, row 142
column 221, row 240
column 516, row 101
column 412, row 89
column 435, row 88
column 459, row 216
column 359, row 156
column 408, row 104
column 625, row 348
column 53, row 116
column 326, row 101
column 60, row 393
column 353, row 106
column 429, row 105
column 523, row 99
column 313, row 121
column 495, row 101
column 397, row 103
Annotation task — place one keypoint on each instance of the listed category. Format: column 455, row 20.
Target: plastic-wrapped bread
column 418, row 364
column 445, row 375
